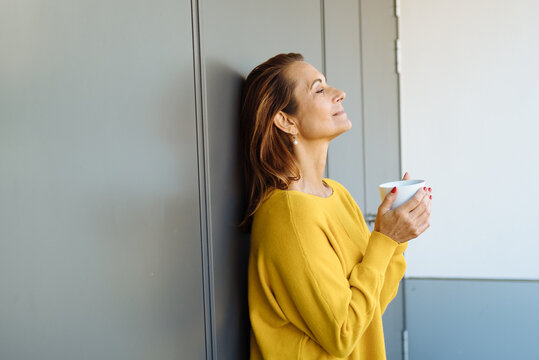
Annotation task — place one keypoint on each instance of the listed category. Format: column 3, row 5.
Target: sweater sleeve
column 394, row 273
column 310, row 285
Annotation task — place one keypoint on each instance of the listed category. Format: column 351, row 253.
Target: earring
column 295, row 141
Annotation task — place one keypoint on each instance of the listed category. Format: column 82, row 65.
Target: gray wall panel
column 343, row 71
column 380, row 89
column 99, row 218
column 236, row 36
column 472, row 319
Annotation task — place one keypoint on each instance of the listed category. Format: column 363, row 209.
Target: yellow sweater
column 319, row 281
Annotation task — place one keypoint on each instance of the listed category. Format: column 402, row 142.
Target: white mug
column 406, row 189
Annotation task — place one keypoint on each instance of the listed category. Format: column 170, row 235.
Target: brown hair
column 267, row 151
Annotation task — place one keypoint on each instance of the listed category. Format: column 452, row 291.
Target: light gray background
column 469, row 127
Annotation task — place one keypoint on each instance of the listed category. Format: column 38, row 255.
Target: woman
column 319, row 281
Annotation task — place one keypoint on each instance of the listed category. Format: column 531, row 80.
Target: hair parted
column 267, row 151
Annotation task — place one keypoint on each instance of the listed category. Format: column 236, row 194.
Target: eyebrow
column 316, row 81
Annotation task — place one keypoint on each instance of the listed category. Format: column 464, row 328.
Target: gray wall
column 119, row 163
column 472, row 319
column 99, row 214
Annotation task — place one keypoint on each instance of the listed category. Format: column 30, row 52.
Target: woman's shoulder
column 285, row 201
column 284, row 216
column 289, row 206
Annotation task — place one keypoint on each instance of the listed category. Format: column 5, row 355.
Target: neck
column 311, row 161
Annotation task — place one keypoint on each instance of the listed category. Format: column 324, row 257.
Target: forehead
column 303, row 74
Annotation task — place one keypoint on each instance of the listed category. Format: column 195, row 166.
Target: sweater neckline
column 324, row 180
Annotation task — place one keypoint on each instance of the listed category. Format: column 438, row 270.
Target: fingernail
column 430, row 197
column 394, row 190
column 430, row 189
column 425, row 188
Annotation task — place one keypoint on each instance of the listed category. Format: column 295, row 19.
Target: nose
column 340, row 95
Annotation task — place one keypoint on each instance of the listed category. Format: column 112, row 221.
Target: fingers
column 414, row 201
column 425, row 214
column 423, row 220
column 406, row 176
column 424, row 223
column 421, row 207
column 388, row 201
column 421, row 229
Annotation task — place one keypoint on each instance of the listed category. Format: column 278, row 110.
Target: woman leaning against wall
column 319, row 280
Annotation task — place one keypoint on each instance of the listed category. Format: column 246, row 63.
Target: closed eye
column 320, row 91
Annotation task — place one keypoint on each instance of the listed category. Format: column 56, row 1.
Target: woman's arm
column 394, row 273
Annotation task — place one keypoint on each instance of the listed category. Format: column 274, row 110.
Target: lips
column 340, row 112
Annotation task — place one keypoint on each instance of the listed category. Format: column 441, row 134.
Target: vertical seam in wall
column 323, row 29
column 323, row 45
column 203, row 180
column 399, row 115
column 404, row 349
column 399, row 135
column 362, row 110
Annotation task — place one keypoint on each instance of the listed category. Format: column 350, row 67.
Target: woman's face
column 320, row 114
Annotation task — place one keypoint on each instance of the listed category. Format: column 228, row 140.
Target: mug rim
column 401, row 183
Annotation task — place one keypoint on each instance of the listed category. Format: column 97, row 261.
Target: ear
column 283, row 122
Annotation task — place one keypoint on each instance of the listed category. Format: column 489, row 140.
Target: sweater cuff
column 401, row 248
column 379, row 251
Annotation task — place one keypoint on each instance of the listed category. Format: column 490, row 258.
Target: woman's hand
column 409, row 220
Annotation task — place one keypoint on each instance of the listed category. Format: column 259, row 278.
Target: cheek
column 318, row 110
column 314, row 117
column 316, row 122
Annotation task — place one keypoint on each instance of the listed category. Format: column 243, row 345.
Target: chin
column 347, row 126
column 342, row 130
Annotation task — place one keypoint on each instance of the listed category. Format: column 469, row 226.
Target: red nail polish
column 425, row 188
column 430, row 197
column 430, row 189
column 394, row 190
